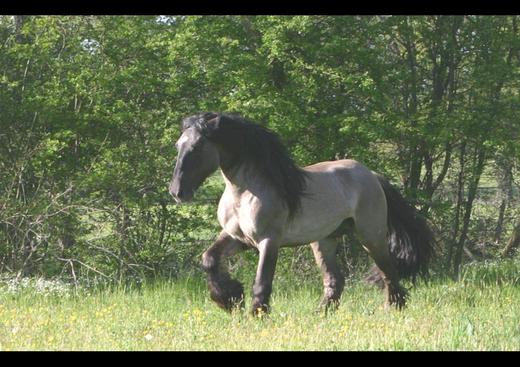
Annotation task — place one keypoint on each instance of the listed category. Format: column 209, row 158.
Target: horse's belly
column 320, row 215
column 306, row 232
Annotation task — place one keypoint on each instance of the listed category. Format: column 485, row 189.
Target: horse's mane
column 250, row 143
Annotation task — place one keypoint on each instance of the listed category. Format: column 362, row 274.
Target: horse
column 269, row 202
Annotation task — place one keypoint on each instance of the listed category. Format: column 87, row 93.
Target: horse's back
column 357, row 182
column 332, row 165
column 351, row 174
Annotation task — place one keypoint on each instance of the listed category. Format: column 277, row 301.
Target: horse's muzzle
column 182, row 196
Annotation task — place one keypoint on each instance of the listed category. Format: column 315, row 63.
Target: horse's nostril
column 175, row 192
column 178, row 194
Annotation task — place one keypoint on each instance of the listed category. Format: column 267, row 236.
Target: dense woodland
column 90, row 109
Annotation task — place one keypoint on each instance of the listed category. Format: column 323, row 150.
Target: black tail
column 410, row 238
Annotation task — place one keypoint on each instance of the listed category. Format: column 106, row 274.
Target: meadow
column 479, row 312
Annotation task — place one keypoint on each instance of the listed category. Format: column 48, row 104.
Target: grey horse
column 270, row 202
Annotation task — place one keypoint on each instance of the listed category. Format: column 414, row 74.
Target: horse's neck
column 236, row 178
column 241, row 179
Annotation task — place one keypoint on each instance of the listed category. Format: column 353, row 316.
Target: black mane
column 253, row 144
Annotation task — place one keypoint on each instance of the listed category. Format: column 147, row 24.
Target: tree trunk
column 472, row 191
column 460, row 195
column 18, row 23
column 505, row 192
column 513, row 242
column 123, row 233
column 443, row 85
column 415, row 155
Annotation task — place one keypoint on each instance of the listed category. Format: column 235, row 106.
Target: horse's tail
column 410, row 238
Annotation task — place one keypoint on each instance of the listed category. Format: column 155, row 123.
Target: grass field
column 479, row 313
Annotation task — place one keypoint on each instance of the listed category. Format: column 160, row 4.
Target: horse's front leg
column 268, row 255
column 226, row 292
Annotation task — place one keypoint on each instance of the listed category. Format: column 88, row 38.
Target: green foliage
column 90, row 109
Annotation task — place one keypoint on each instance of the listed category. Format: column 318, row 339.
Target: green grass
column 444, row 315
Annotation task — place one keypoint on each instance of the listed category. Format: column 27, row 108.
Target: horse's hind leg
column 333, row 280
column 375, row 242
column 226, row 292
column 395, row 294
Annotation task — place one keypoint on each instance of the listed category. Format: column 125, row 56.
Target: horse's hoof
column 327, row 306
column 396, row 296
column 260, row 310
column 228, row 304
column 228, row 294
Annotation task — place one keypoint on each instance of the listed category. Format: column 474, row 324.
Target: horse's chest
column 240, row 220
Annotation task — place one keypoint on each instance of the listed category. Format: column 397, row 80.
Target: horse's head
column 197, row 158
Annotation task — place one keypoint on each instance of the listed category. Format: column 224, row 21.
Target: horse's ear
column 212, row 124
column 213, row 121
column 199, row 120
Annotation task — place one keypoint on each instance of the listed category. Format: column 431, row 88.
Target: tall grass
column 492, row 272
column 480, row 312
